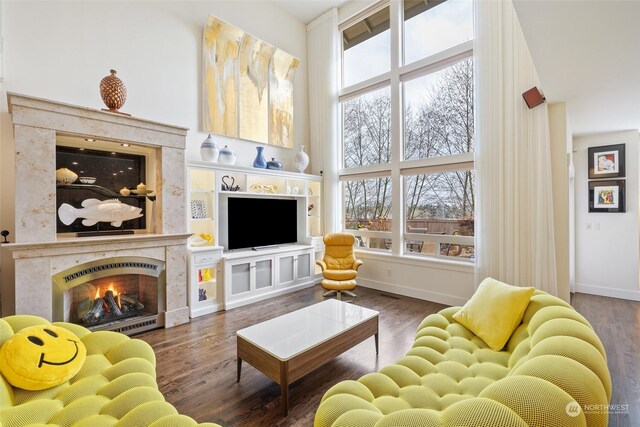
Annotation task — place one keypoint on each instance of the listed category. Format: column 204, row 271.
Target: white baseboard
column 412, row 292
column 633, row 295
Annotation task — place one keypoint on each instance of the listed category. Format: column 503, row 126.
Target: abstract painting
column 607, row 161
column 606, row 196
column 220, row 45
column 248, row 86
column 253, row 88
column 281, row 72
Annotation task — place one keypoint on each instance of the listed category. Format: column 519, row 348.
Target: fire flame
column 99, row 292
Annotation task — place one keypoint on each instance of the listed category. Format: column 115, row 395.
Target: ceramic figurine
column 260, row 162
column 113, row 211
column 209, row 150
column 125, row 191
column 113, row 92
column 274, row 164
column 65, row 176
column 265, row 188
column 227, row 156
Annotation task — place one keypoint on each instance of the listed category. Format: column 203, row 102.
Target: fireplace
column 123, row 294
column 47, row 270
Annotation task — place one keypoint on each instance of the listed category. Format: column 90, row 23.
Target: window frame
column 397, row 168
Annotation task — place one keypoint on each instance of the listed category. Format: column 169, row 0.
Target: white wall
column 606, row 244
column 444, row 282
column 60, row 50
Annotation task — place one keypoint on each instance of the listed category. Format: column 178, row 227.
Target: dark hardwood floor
column 617, row 323
column 196, row 362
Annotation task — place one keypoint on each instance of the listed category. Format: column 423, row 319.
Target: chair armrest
column 322, row 264
column 357, row 263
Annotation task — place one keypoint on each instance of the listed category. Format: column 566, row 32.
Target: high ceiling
column 307, row 10
column 587, row 53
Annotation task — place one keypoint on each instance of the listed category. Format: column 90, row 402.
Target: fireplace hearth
column 119, row 294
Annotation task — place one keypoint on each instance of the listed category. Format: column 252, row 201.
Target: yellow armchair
column 339, row 265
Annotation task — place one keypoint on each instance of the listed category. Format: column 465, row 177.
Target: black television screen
column 256, row 222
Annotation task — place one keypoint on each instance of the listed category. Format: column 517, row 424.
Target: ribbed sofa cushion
column 116, row 386
column 450, row 377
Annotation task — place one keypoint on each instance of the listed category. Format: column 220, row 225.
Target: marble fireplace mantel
column 36, row 124
column 36, row 263
column 39, row 252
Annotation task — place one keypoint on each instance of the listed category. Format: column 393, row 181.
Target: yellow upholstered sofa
column 552, row 373
column 116, row 386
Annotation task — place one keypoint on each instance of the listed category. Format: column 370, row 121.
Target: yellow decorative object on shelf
column 265, row 188
column 206, row 274
column 207, row 237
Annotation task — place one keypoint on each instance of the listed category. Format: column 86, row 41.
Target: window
column 407, row 179
column 439, row 207
column 438, row 113
column 433, row 26
column 367, row 210
column 367, row 129
column 366, row 46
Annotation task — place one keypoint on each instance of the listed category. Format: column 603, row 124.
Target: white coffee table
column 292, row 345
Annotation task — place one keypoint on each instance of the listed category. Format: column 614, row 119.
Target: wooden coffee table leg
column 375, row 337
column 284, row 387
column 239, row 368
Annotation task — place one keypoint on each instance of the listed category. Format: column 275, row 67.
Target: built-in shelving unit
column 208, row 182
column 250, row 276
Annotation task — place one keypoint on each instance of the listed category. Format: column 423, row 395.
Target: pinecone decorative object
column 113, row 92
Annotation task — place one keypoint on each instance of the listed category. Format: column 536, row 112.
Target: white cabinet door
column 247, row 277
column 294, row 268
column 240, row 278
column 263, row 273
column 286, row 270
column 304, row 266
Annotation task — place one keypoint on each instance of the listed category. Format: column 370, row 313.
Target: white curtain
column 514, row 205
column 323, row 43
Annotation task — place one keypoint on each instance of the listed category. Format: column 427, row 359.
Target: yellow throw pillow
column 40, row 357
column 494, row 311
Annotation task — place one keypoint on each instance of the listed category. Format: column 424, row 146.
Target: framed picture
column 606, row 196
column 606, row 161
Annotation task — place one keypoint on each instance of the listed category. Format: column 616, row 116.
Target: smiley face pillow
column 40, row 357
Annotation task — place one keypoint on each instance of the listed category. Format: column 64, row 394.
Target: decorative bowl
column 65, row 176
column 87, row 179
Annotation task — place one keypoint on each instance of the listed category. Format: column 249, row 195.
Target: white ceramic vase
column 209, row 150
column 301, row 160
column 227, row 156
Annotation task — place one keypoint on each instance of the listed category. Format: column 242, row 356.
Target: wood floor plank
column 617, row 323
column 197, row 361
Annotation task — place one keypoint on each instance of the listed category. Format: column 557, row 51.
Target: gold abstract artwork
column 220, row 44
column 281, row 72
column 248, row 86
column 254, row 59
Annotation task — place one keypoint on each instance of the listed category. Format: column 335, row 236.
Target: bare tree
column 445, row 126
column 441, row 125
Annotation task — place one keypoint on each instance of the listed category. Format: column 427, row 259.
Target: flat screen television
column 254, row 222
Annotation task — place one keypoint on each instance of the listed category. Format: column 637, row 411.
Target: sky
column 439, row 28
